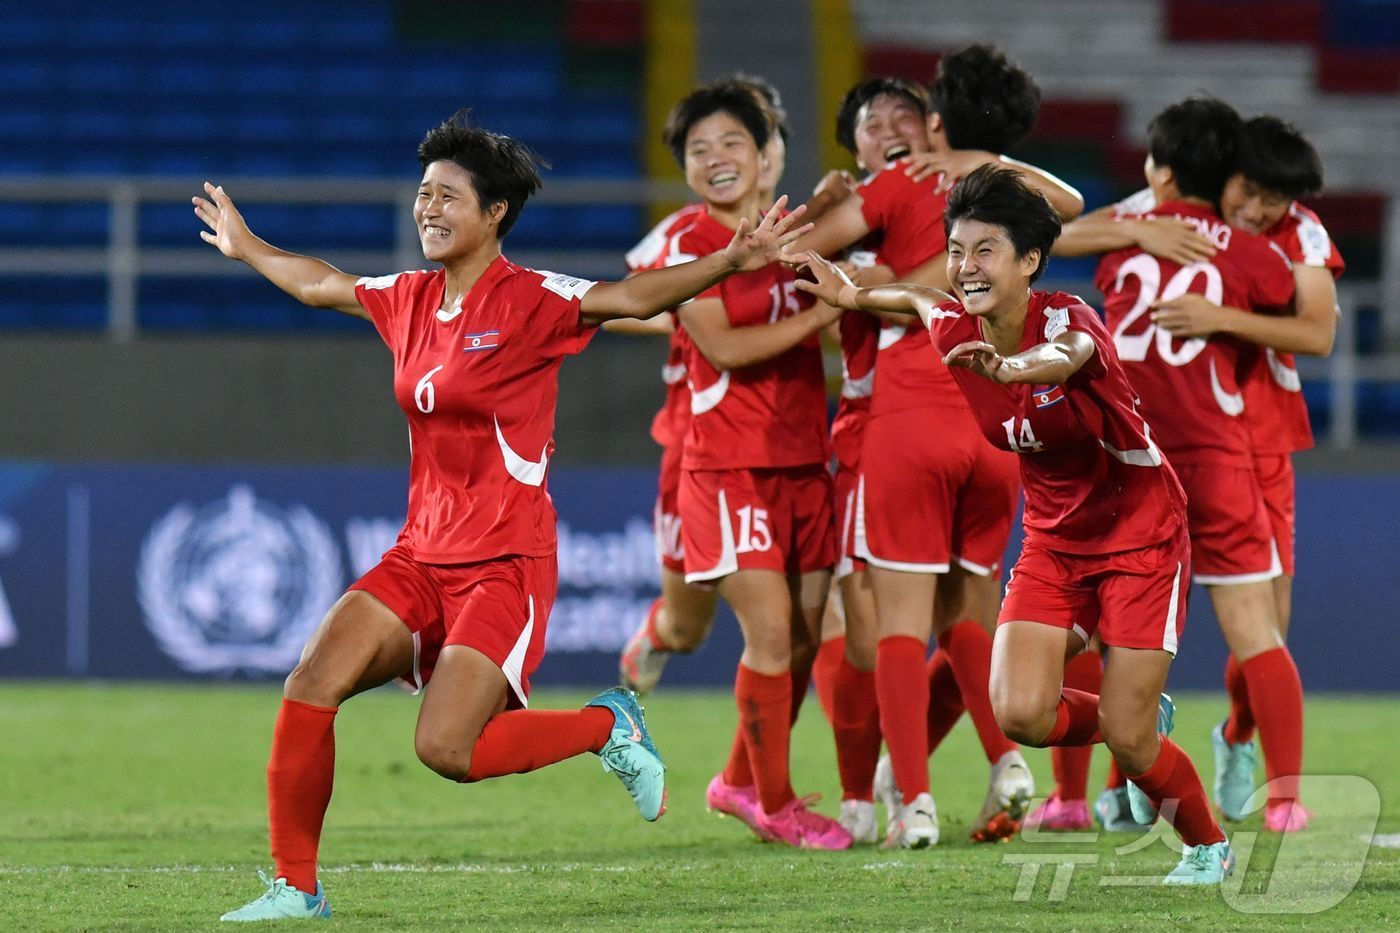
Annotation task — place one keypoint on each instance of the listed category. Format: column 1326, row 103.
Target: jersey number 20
column 1148, row 271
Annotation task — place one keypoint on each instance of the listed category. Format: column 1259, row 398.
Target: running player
column 680, row 619
column 1193, row 395
column 464, row 596
column 1106, row 544
column 1276, row 167
column 934, row 507
column 755, row 496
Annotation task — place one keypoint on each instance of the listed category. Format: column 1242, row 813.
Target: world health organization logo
column 238, row 584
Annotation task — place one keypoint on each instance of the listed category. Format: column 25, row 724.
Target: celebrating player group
column 1151, row 444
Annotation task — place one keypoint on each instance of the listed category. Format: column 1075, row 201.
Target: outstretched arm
column 729, row 347
column 831, row 286
column 1163, row 237
column 307, row 279
column 648, row 293
column 1311, row 330
column 1050, row 363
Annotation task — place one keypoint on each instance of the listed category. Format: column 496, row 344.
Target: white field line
column 404, row 868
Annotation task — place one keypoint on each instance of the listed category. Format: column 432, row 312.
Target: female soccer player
column 755, row 495
column 1105, row 518
column 465, row 594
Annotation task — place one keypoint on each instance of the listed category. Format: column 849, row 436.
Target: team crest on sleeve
column 1056, row 322
column 486, row 340
column 1045, row 396
column 1313, row 239
column 566, row 286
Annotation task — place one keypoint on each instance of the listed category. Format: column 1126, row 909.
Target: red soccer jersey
column 669, row 425
column 771, row 414
column 1273, row 393
column 1190, row 389
column 479, row 387
column 1095, row 482
column 859, row 345
column 908, row 215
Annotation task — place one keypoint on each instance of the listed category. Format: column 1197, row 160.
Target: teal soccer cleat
column 1210, row 864
column 1234, row 773
column 1144, row 812
column 283, row 902
column 631, row 754
column 1114, row 813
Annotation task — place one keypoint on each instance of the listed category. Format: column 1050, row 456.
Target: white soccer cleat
column 887, row 792
column 916, row 826
column 1008, row 797
column 857, row 817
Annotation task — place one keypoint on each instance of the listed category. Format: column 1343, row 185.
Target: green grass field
column 142, row 807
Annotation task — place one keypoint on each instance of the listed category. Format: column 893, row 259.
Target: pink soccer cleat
column 803, row 829
column 1288, row 817
column 738, row 802
column 1056, row 815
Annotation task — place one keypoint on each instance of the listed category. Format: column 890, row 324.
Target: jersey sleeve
column 386, row 298
column 558, row 314
column 1139, row 202
column 1080, row 317
column 1308, row 243
column 878, row 198
column 685, row 247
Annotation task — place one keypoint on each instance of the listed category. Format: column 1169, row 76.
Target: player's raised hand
column 979, row 356
column 953, row 165
column 755, row 248
column 1174, row 240
column 829, row 284
column 1188, row 315
column 227, row 230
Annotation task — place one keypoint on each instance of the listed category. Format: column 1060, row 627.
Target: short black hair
column 739, row 101
column 986, row 100
column 501, row 168
column 1199, row 140
column 1274, row 154
column 996, row 195
column 866, row 91
column 768, row 96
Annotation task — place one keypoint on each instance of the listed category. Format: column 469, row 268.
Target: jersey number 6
column 424, row 393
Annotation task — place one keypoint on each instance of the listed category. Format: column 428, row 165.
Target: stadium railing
column 123, row 260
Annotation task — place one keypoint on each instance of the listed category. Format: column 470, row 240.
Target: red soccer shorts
column 933, row 491
column 847, row 484
column 1231, row 538
column 1134, row 599
column 498, row 607
column 771, row 519
column 1274, row 473
column 666, row 519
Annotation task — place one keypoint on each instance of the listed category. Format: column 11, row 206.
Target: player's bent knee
column 315, row 682
column 1131, row 739
column 1021, row 718
column 442, row 758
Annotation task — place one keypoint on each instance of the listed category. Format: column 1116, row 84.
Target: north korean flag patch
column 487, row 340
column 1045, row 396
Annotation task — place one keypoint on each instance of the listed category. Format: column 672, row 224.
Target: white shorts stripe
column 728, row 554
column 1169, row 630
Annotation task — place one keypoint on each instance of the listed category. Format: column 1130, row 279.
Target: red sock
column 1239, row 727
column 1115, row 776
column 299, row 778
column 765, row 710
column 1276, row 696
column 1172, row 777
column 969, row 649
column 945, row 702
column 737, row 772
column 657, row 605
column 522, row 740
column 1084, row 672
column 829, row 657
column 857, row 729
column 901, row 689
column 1076, row 720
column 800, row 679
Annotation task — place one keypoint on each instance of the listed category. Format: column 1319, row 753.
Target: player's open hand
column 838, row 184
column 227, row 231
column 752, row 249
column 829, row 284
column 980, row 357
column 1188, row 315
column 953, row 165
column 1175, row 240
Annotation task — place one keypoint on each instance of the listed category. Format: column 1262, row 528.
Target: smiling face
column 889, row 127
column 450, row 219
column 721, row 160
column 1251, row 207
column 986, row 274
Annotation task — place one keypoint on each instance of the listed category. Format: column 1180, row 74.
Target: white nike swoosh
column 529, row 472
column 1232, row 403
column 673, row 374
column 705, row 399
column 859, row 388
column 890, row 335
column 1286, row 376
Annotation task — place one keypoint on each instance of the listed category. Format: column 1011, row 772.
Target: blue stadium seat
column 35, row 302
